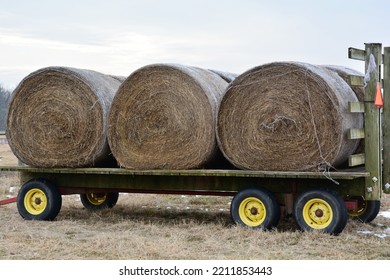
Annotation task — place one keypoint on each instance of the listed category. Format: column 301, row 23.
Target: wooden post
column 372, row 123
column 386, row 120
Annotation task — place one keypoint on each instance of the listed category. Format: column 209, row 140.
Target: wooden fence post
column 386, row 120
column 372, row 122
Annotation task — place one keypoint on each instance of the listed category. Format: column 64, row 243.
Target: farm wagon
column 318, row 200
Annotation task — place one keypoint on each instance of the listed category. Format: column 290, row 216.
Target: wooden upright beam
column 386, row 120
column 372, row 123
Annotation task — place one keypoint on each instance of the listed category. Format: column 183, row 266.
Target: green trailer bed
column 347, row 174
column 42, row 189
column 204, row 181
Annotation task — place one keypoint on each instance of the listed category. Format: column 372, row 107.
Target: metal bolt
column 375, row 179
column 387, row 186
column 369, row 189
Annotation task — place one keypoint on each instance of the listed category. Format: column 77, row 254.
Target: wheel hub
column 319, row 213
column 254, row 211
column 96, row 198
column 35, row 201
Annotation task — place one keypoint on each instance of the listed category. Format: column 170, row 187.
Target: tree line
column 5, row 96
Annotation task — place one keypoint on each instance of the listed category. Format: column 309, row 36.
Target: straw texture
column 287, row 116
column 344, row 72
column 163, row 117
column 227, row 76
column 57, row 117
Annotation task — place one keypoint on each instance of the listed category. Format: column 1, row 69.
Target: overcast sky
column 117, row 37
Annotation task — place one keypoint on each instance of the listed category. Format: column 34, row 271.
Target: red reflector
column 351, row 204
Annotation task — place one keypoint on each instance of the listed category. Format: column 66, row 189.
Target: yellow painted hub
column 252, row 211
column 362, row 207
column 96, row 198
column 317, row 213
column 35, row 201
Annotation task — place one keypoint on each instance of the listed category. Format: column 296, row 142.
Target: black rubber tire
column 311, row 206
column 98, row 201
column 266, row 220
column 369, row 211
column 39, row 199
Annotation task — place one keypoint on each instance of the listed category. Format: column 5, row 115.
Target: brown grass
column 6, row 156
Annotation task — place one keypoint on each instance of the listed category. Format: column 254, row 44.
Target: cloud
column 111, row 52
column 16, row 39
column 232, row 36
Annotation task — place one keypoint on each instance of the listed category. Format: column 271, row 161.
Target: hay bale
column 163, row 117
column 288, row 117
column 57, row 117
column 120, row 79
column 344, row 72
column 227, row 76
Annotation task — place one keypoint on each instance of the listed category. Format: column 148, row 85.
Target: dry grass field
column 175, row 227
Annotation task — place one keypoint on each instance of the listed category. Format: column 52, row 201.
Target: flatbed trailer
column 318, row 200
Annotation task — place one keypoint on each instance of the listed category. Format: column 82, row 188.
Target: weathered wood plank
column 356, row 133
column 355, row 160
column 115, row 172
column 356, row 54
column 355, row 107
column 354, row 80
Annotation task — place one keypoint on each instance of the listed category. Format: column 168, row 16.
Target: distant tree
column 4, row 100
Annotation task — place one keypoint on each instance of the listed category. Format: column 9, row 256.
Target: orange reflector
column 378, row 97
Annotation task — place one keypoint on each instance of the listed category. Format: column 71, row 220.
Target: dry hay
column 163, row 117
column 227, row 76
column 344, row 72
column 287, row 117
column 57, row 117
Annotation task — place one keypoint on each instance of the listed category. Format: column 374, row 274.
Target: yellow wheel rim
column 362, row 204
column 317, row 213
column 252, row 211
column 96, row 198
column 35, row 201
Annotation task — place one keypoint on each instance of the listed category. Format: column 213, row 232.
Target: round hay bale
column 344, row 72
column 163, row 117
column 57, row 117
column 287, row 117
column 227, row 76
